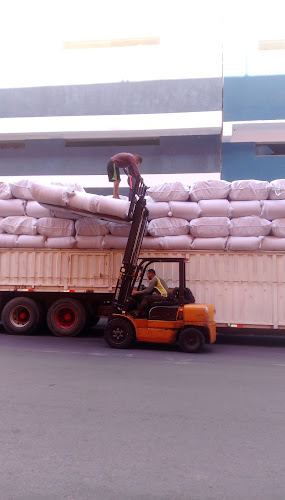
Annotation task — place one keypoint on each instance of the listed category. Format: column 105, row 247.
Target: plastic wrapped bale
column 278, row 228
column 272, row 244
column 273, row 209
column 111, row 241
column 119, row 229
column 52, row 195
column 277, row 190
column 209, row 244
column 168, row 226
column 12, row 207
column 61, row 242
column 5, row 191
column 1, row 230
column 81, row 201
column 88, row 226
column 21, row 189
column 182, row 242
column 249, row 226
column 150, row 243
column 210, row 227
column 71, row 185
column 184, row 209
column 26, row 241
column 8, row 240
column 95, row 242
column 53, row 228
column 245, row 208
column 244, row 243
column 246, row 190
column 169, row 191
column 209, row 190
column 34, row 209
column 158, row 209
column 109, row 206
column 215, row 208
column 19, row 225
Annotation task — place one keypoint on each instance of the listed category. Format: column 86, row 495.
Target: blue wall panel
column 254, row 98
column 240, row 162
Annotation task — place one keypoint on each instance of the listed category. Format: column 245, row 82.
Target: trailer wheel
column 66, row 318
column 21, row 316
column 191, row 340
column 119, row 333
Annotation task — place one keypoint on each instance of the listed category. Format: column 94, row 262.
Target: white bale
column 12, row 207
column 19, row 225
column 5, row 191
column 61, row 242
column 168, row 226
column 249, row 226
column 215, row 208
column 277, row 190
column 158, row 209
column 109, row 206
column 184, row 209
column 1, row 230
column 111, row 241
column 209, row 243
column 21, row 189
column 273, row 209
column 71, row 185
column 182, row 242
column 25, row 241
column 89, row 226
column 243, row 243
column 245, row 208
column 209, row 190
column 81, row 201
column 151, row 243
column 272, row 244
column 249, row 189
column 169, row 191
column 34, row 209
column 53, row 195
column 95, row 242
column 8, row 240
column 277, row 228
column 119, row 229
column 210, row 227
column 52, row 227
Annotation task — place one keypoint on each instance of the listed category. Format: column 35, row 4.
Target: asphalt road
column 81, row 421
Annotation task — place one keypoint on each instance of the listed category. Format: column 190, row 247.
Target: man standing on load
column 129, row 162
column 157, row 291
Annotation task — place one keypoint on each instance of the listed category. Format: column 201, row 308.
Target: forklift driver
column 157, row 291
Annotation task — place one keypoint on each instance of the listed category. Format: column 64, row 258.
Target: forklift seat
column 164, row 312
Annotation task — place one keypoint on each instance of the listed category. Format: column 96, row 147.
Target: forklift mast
column 138, row 214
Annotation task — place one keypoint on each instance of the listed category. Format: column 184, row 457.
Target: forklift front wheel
column 119, row 333
column 191, row 340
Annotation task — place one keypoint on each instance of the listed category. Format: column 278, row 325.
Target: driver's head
column 150, row 274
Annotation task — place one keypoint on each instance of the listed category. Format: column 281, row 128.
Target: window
column 277, row 149
column 95, row 143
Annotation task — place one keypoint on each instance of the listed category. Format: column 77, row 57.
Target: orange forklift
column 175, row 320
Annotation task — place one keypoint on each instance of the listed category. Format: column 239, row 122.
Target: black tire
column 21, row 316
column 119, row 333
column 191, row 340
column 66, row 318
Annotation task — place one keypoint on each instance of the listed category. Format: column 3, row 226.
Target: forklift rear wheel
column 191, row 340
column 119, row 333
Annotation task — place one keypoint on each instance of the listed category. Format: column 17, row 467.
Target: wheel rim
column 19, row 316
column 192, row 340
column 65, row 318
column 118, row 335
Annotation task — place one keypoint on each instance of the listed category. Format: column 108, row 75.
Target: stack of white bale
column 244, row 215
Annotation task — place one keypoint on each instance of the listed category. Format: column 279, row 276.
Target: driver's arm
column 149, row 289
